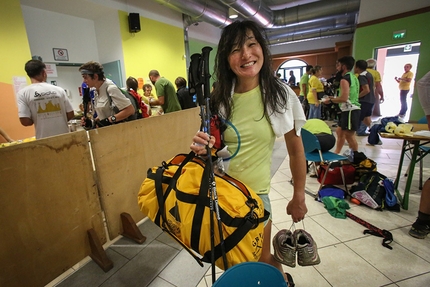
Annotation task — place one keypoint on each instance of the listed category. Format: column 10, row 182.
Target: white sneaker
column 313, row 170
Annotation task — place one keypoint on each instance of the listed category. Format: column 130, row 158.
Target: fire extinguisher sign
column 60, row 54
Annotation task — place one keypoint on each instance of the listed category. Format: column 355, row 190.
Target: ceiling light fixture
column 232, row 14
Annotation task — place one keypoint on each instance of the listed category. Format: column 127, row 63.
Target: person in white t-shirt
column 42, row 104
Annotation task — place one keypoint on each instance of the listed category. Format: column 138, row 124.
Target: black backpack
column 370, row 190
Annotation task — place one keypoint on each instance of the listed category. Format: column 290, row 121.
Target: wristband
column 104, row 122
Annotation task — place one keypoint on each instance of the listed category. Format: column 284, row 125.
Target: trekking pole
column 213, row 192
column 373, row 230
column 199, row 83
column 86, row 99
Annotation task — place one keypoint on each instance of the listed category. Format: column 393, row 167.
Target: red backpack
column 142, row 107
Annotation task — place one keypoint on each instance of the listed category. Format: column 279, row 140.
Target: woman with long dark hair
column 258, row 108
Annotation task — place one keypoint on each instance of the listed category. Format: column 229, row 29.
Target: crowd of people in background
column 47, row 107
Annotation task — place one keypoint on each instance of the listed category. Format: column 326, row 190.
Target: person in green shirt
column 348, row 103
column 304, row 87
column 166, row 93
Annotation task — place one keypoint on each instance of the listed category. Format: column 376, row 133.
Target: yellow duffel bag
column 175, row 196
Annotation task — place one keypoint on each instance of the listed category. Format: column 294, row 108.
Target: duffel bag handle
column 158, row 180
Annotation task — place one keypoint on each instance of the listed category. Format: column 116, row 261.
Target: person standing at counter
column 166, row 93
column 42, row 104
column 109, row 111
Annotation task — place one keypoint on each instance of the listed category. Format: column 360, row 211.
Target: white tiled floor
column 348, row 257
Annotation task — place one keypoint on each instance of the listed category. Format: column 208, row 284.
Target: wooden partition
column 124, row 152
column 50, row 195
column 48, row 201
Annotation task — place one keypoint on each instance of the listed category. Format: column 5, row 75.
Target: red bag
column 334, row 177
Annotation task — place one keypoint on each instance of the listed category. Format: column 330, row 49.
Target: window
column 297, row 66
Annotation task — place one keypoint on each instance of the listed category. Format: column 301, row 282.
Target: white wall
column 69, row 79
column 84, row 40
column 47, row 30
column 205, row 32
column 109, row 42
column 377, row 9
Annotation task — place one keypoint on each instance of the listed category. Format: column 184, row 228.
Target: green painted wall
column 15, row 52
column 366, row 39
column 157, row 46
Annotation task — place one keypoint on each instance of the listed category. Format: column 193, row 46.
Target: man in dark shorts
column 366, row 97
column 421, row 226
column 348, row 103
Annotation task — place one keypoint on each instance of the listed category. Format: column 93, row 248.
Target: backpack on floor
column 334, row 174
column 370, row 190
column 363, row 167
column 175, row 197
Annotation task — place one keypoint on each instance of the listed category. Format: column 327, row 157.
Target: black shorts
column 350, row 120
column 327, row 141
column 366, row 110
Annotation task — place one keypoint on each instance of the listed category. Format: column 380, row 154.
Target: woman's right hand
column 200, row 141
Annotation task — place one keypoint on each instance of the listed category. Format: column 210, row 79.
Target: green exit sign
column 399, row 34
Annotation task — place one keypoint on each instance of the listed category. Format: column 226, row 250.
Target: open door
column 390, row 63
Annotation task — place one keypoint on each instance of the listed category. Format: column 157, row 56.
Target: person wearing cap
column 108, row 112
column 43, row 105
column 379, row 92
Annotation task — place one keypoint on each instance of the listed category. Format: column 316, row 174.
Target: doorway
column 390, row 64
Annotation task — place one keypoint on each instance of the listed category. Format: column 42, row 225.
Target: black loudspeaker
column 134, row 22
